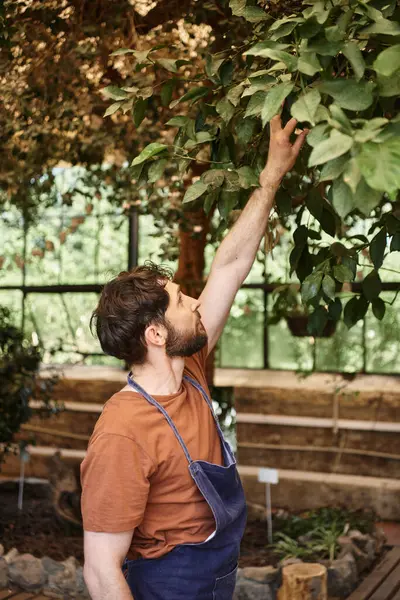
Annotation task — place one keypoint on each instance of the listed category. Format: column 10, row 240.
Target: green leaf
column 213, row 178
column 325, row 48
column 121, row 51
column 169, row 64
column 353, row 54
column 156, row 169
column 340, row 116
column 311, row 286
column 318, row 134
column 328, row 220
column 305, row 107
column 329, row 287
column 314, row 203
column 213, row 63
column 335, row 146
column 114, row 92
column 254, row 14
column 227, row 202
column 334, row 168
column 279, row 55
column 355, row 309
column 388, row 61
column 378, row 308
column 283, row 30
column 274, row 100
column 395, row 243
column 166, row 93
column 380, row 164
column 308, row 63
column 259, row 49
column 237, row 7
column 383, row 26
column 245, row 130
column 342, row 198
column 255, row 104
column 112, row 109
column 377, row 249
column 226, row 73
column 139, row 111
column 225, row 109
column 372, row 286
column 195, row 191
column 352, row 175
column 335, row 309
column 193, row 94
column 210, row 200
column 232, row 181
column 317, row 321
column 370, row 130
column 150, row 150
column 389, row 86
column 235, row 94
column 247, row 177
column 349, row 94
column 365, row 198
column 178, row 121
column 342, row 273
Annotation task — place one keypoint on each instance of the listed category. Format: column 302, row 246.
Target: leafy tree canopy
column 335, row 65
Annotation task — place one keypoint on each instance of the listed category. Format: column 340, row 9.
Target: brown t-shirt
column 135, row 474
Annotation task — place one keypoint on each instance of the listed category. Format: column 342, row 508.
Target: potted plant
column 287, row 305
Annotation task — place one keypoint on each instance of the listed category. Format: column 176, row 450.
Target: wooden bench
column 384, row 581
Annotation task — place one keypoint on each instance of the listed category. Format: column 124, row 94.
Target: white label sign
column 268, row 475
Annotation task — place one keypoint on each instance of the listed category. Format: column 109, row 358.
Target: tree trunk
column 304, row 581
column 193, row 239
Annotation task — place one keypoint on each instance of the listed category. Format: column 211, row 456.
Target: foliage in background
column 336, row 64
column 314, row 535
column 19, row 364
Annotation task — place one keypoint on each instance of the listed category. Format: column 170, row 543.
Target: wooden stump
column 304, row 581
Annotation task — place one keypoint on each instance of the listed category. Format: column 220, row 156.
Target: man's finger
column 290, row 126
column 275, row 124
column 300, row 141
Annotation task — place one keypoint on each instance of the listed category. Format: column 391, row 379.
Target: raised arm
column 237, row 252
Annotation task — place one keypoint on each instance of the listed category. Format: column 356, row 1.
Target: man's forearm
column 107, row 584
column 242, row 242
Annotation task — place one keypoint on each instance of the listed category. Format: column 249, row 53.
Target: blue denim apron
column 205, row 570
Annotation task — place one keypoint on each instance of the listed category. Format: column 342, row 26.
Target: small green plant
column 314, row 535
column 286, row 302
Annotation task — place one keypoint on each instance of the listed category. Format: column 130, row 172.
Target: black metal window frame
column 133, row 256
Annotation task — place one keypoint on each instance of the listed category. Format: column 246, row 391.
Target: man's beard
column 181, row 344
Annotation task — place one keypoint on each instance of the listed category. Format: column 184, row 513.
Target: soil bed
column 36, row 529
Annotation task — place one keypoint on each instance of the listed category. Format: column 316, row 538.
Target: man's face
column 186, row 333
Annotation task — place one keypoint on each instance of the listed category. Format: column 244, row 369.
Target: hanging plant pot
column 298, row 327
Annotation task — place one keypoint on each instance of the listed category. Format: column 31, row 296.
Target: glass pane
column 151, row 247
column 43, row 252
column 61, row 322
column 112, row 257
column 343, row 351
column 383, row 338
column 287, row 351
column 79, row 250
column 13, row 301
column 241, row 344
column 11, row 247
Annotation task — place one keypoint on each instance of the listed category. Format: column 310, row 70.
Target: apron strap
column 154, row 402
column 206, row 398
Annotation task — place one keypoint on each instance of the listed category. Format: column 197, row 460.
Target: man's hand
column 282, row 154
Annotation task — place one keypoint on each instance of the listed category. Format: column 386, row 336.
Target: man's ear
column 155, row 335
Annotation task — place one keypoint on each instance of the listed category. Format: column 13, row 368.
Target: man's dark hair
column 127, row 305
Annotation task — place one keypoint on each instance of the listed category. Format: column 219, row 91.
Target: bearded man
column 162, row 503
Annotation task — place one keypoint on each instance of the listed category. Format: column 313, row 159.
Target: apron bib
column 205, row 570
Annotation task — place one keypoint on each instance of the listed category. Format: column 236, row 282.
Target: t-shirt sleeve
column 115, row 484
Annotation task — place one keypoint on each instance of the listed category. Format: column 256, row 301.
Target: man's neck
column 161, row 377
